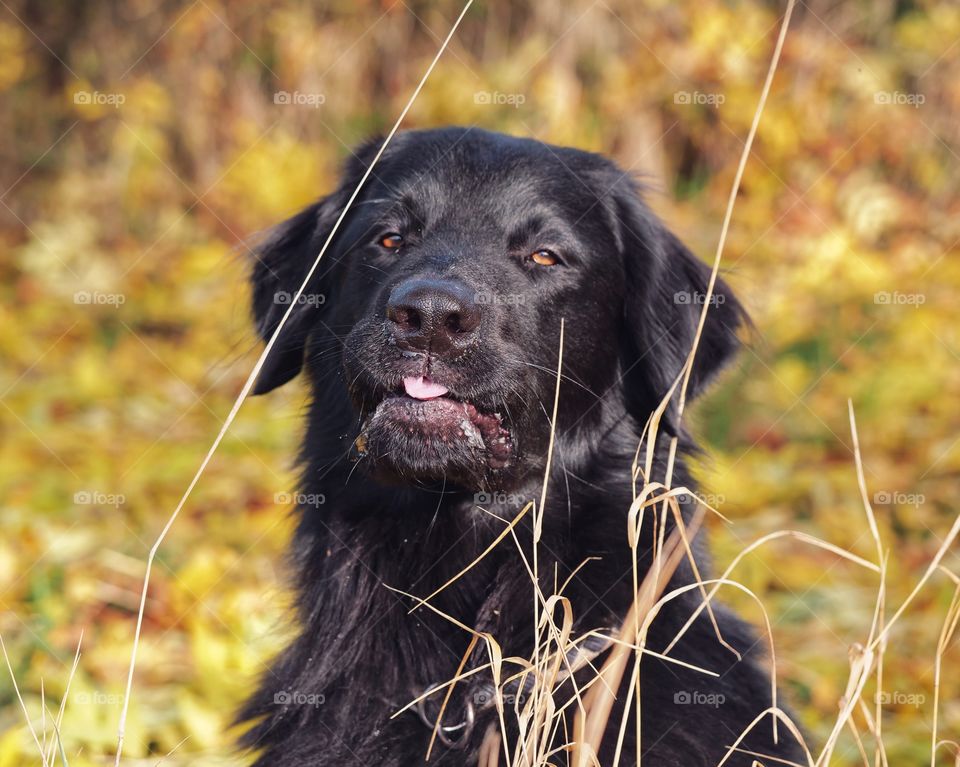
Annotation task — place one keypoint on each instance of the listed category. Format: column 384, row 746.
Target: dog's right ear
column 282, row 260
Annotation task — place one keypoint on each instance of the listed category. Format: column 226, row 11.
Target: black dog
column 430, row 335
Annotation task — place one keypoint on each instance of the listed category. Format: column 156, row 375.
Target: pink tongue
column 423, row 388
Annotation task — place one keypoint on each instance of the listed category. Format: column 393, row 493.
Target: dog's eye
column 544, row 258
column 391, row 241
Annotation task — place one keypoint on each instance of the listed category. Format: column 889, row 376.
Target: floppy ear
column 666, row 290
column 283, row 259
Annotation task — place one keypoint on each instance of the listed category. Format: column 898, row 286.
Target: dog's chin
column 413, row 440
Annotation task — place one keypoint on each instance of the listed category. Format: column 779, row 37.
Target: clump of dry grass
column 558, row 653
column 542, row 739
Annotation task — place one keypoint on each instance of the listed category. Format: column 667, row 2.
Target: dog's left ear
column 666, row 290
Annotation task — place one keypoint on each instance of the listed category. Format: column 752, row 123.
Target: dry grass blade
column 855, row 733
column 58, row 742
column 496, row 541
column 490, row 748
column 23, row 706
column 635, row 522
column 66, row 693
column 781, row 716
column 540, row 710
column 868, row 717
column 931, row 569
column 43, row 716
column 538, row 513
column 252, row 377
column 652, row 613
column 734, row 191
column 440, row 687
column 944, row 640
column 550, row 444
column 735, row 188
column 650, row 430
column 862, row 483
column 698, row 578
column 880, row 756
column 796, row 534
column 861, row 666
column 560, row 636
column 171, row 752
column 446, row 697
column 589, row 727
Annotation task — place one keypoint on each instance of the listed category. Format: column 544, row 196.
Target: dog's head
column 436, row 309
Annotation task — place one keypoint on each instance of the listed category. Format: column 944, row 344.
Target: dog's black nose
column 433, row 315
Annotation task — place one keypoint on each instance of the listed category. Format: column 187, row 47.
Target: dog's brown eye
column 391, row 241
column 544, row 258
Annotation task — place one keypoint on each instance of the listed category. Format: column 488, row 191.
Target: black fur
column 472, row 206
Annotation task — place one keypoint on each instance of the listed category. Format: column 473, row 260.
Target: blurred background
column 146, row 140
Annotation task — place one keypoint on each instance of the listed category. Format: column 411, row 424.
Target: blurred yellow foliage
column 147, row 141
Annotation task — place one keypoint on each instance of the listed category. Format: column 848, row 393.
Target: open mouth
column 428, row 431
